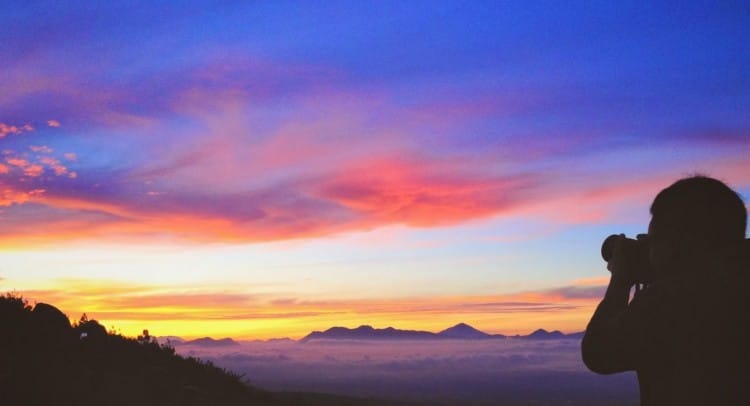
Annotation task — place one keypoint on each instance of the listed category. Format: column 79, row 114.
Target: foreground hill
column 46, row 361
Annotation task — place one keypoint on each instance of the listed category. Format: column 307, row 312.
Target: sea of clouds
column 498, row 371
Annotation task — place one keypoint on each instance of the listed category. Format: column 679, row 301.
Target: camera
column 635, row 253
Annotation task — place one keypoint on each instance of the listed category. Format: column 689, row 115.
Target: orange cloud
column 10, row 196
column 595, row 281
column 53, row 123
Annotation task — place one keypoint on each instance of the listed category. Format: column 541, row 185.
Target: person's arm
column 611, row 342
column 607, row 346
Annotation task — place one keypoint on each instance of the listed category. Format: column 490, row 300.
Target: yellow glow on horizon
column 264, row 329
column 129, row 309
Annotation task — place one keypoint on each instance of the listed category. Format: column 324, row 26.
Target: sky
column 266, row 169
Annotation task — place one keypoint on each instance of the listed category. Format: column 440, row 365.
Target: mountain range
column 461, row 331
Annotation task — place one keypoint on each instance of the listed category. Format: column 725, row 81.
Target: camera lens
column 608, row 246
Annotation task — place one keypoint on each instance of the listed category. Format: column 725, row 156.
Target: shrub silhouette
column 90, row 330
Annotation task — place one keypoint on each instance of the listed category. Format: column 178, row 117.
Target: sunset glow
column 263, row 171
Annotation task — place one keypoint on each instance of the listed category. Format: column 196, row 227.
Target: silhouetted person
column 685, row 331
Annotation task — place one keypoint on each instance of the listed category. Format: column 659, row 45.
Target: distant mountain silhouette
column 578, row 335
column 465, row 331
column 369, row 333
column 461, row 331
column 210, row 342
column 276, row 340
column 542, row 334
column 170, row 340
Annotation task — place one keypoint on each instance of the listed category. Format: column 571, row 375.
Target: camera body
column 635, row 253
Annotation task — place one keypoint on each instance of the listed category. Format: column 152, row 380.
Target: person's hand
column 620, row 265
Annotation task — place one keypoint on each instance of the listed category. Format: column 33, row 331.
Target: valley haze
column 430, row 368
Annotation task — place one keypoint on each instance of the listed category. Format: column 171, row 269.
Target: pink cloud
column 6, row 129
column 421, row 193
column 41, row 149
column 53, row 123
column 37, row 167
column 353, row 194
column 342, row 161
column 28, row 168
column 54, row 164
column 19, row 162
column 33, row 170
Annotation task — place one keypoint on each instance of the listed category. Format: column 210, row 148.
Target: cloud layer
column 453, row 372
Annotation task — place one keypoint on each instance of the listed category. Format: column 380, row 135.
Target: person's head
column 693, row 218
